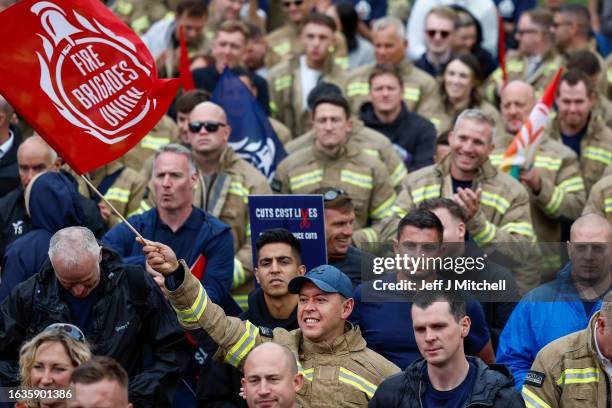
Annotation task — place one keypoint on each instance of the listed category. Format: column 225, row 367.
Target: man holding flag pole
column 553, row 179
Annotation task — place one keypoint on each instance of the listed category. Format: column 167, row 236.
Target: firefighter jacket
column 595, row 148
column 517, row 64
column 122, row 186
column 284, row 43
column 420, row 89
column 569, row 373
column 444, row 119
column 562, row 194
column 343, row 374
column 502, row 218
column 140, row 15
column 363, row 177
column 227, row 199
column 165, row 132
column 370, row 142
column 600, row 199
column 286, row 92
column 608, row 76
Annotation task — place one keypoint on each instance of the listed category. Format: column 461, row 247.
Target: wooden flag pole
column 130, row 226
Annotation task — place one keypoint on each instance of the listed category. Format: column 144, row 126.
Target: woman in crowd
column 360, row 50
column 47, row 361
column 460, row 90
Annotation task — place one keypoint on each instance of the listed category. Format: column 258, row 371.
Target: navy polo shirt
column 183, row 239
column 573, row 141
column 387, row 326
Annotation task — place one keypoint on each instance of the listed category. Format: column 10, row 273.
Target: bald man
column 554, row 183
column 271, row 377
column 35, row 156
column 222, row 170
column 564, row 305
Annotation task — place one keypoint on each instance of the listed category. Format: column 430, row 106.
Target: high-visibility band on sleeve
column 487, row 235
column 305, row 179
column 578, row 376
column 308, row 374
column 608, row 205
column 532, row 400
column 370, row 234
column 282, row 48
column 239, row 275
column 385, row 209
column 499, row 203
column 522, row 228
column 140, row 24
column 357, row 88
column 193, row 314
column 399, row 211
column 356, row 179
column 153, row 143
column 357, row 381
column 572, row 184
column 248, row 230
column 610, row 75
column 515, row 66
column 243, row 346
column 273, row 107
column 241, row 191
column 399, row 173
column 124, row 7
column 551, row 261
column 555, row 201
column 342, row 62
column 598, row 154
column 425, row 193
column 496, row 158
column 372, row 152
column 282, row 82
column 412, row 94
column 548, row 163
column 121, row 195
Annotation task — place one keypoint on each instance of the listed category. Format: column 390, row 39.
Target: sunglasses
column 288, row 4
column 69, row 329
column 331, row 195
column 443, row 33
column 195, row 127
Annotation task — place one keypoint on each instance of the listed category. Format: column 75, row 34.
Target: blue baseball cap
column 325, row 277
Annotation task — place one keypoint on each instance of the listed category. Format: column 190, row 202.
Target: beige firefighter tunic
column 343, row 374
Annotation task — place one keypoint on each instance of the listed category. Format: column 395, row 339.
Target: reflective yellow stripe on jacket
column 239, row 275
column 243, row 346
column 496, row 201
column 354, row 380
column 487, row 235
column 598, row 154
column 532, row 400
column 305, row 179
column 399, row 173
column 121, row 195
column 578, row 376
column 357, row 88
column 238, row 189
column 608, row 205
column 357, row 179
column 384, row 210
column 193, row 313
column 153, row 143
column 424, row 193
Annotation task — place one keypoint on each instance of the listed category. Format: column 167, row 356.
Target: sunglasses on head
column 443, row 33
column 69, row 329
column 297, row 3
column 195, row 127
column 331, row 195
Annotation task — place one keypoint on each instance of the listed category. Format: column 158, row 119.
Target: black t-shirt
column 460, row 183
column 452, row 398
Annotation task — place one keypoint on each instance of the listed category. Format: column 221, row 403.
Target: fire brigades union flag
column 81, row 78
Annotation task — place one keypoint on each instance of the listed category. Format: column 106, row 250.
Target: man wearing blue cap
column 331, row 353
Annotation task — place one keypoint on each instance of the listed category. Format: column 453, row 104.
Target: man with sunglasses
column 536, row 61
column 291, row 81
column 440, row 26
column 222, row 170
column 117, row 306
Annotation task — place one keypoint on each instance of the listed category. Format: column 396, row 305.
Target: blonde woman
column 47, row 361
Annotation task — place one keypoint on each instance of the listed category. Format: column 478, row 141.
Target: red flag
column 184, row 71
column 81, row 78
column 501, row 49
